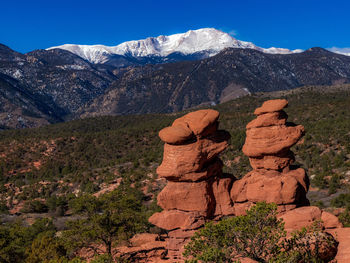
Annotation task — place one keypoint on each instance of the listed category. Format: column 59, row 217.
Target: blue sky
column 36, row 24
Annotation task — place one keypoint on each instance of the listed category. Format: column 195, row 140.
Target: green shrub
column 343, row 200
column 106, row 220
column 344, row 218
column 34, row 206
column 259, row 235
column 255, row 235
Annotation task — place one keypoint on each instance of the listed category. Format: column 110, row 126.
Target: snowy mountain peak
column 208, row 40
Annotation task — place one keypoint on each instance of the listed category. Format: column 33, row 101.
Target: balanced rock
column 271, row 106
column 268, row 119
column 271, row 140
column 196, row 190
column 190, row 162
column 268, row 142
column 176, row 134
column 200, row 122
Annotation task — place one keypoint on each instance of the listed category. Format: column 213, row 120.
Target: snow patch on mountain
column 342, row 51
column 209, row 40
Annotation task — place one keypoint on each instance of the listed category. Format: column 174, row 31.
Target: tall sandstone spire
column 268, row 142
column 196, row 189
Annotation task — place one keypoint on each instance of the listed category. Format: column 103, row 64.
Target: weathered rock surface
column 201, row 122
column 144, row 248
column 174, row 219
column 343, row 237
column 268, row 119
column 272, row 162
column 306, row 216
column 181, row 162
column 221, row 190
column 268, row 142
column 270, row 186
column 271, row 140
column 271, row 106
column 197, row 191
column 176, row 134
column 330, row 221
column 187, row 196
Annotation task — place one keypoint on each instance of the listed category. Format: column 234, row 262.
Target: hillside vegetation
column 49, row 172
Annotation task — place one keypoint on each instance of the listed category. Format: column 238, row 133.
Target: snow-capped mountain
column 208, row 41
column 341, row 51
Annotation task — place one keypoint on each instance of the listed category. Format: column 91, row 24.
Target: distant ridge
column 48, row 86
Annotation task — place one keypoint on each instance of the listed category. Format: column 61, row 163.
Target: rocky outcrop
column 343, row 237
column 268, row 142
column 144, row 248
column 196, row 190
column 306, row 216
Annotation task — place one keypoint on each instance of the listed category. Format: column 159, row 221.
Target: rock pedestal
column 196, row 190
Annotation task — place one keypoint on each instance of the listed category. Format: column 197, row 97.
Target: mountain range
column 192, row 45
column 207, row 67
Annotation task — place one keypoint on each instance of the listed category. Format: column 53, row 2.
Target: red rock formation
column 306, row 216
column 144, row 248
column 343, row 237
column 267, row 145
column 196, row 189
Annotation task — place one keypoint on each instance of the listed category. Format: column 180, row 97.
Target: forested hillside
column 69, row 170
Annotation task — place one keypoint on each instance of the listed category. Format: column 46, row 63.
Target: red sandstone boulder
column 343, row 237
column 268, row 119
column 271, row 140
column 272, row 162
column 270, row 186
column 210, row 170
column 330, row 221
column 271, row 106
column 301, row 217
column 199, row 121
column 143, row 247
column 187, row 196
column 174, row 219
column 143, row 238
column 181, row 160
column 300, row 175
column 176, row 134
